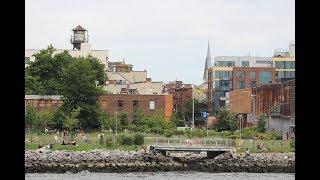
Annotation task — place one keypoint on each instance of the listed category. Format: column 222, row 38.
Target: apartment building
column 284, row 63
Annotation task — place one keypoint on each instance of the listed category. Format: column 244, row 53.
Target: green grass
column 278, row 146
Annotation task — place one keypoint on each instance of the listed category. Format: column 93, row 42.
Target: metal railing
column 184, row 142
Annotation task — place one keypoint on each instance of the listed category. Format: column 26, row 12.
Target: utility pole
column 116, row 113
column 192, row 106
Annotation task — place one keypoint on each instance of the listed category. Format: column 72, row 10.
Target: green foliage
column 261, row 127
column 57, row 120
column 249, row 132
column 110, row 122
column 47, row 71
column 123, row 118
column 125, row 139
column 198, row 107
column 71, row 121
column 138, row 139
column 44, row 119
column 157, row 130
column 168, row 133
column 30, row 117
column 179, row 122
column 226, row 121
column 32, row 84
column 137, row 116
column 292, row 144
column 110, row 140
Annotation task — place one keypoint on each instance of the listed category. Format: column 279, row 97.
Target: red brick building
column 148, row 104
column 50, row 103
column 181, row 93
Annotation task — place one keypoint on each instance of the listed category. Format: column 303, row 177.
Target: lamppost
column 254, row 108
column 240, row 123
column 192, row 107
column 207, row 124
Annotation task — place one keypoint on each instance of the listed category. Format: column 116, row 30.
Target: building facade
column 284, row 63
column 45, row 102
column 233, row 72
column 148, row 104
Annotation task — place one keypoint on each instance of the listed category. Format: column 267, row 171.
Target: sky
column 168, row 38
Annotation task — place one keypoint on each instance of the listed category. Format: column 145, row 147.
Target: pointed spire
column 207, row 64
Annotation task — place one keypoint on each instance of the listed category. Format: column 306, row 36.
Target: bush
column 125, row 139
column 138, row 139
column 110, row 140
column 249, row 132
column 157, row 130
column 168, row 133
column 292, row 144
column 178, row 132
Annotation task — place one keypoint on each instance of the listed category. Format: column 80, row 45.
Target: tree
column 177, row 120
column 79, row 89
column 110, row 122
column 44, row 119
column 226, row 121
column 47, row 71
column 30, row 117
column 71, row 121
column 261, row 126
column 198, row 108
column 32, row 85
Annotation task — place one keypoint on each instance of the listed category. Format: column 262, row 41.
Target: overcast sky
column 168, row 38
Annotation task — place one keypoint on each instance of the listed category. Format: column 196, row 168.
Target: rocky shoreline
column 140, row 161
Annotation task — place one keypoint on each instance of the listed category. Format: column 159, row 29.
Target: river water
column 159, row 176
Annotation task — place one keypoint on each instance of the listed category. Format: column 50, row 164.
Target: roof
column 52, row 97
column 79, row 28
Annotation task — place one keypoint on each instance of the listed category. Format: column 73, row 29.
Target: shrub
column 157, row 130
column 292, row 144
column 178, row 132
column 138, row 139
column 110, row 140
column 168, row 133
column 249, row 132
column 125, row 139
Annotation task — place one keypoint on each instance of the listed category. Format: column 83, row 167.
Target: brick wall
column 163, row 104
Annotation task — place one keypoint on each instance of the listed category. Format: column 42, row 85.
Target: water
column 159, row 176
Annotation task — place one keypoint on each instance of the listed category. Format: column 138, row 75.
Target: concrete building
column 221, row 78
column 284, row 62
column 148, row 104
column 81, row 47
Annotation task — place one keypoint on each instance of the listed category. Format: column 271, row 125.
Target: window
column 135, row 104
column 152, row 104
column 225, row 64
column 120, row 105
column 252, row 75
column 26, row 60
column 289, row 65
column 223, row 74
column 279, row 65
column 240, row 84
column 245, row 64
column 240, row 74
column 265, row 77
column 263, row 62
column 289, row 74
column 253, row 84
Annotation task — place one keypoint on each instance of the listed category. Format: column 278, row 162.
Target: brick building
column 148, row 104
column 39, row 102
column 181, row 93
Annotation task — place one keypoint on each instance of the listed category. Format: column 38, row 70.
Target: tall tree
column 226, row 121
column 79, row 90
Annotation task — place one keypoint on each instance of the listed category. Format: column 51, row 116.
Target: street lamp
column 240, row 123
column 192, row 106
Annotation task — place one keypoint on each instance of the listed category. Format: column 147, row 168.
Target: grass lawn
column 275, row 146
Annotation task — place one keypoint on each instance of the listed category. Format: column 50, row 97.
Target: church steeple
column 207, row 64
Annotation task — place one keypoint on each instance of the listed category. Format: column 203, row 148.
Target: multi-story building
column 148, row 104
column 284, row 62
column 181, row 93
column 122, row 79
column 81, row 47
column 233, row 72
column 248, row 77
